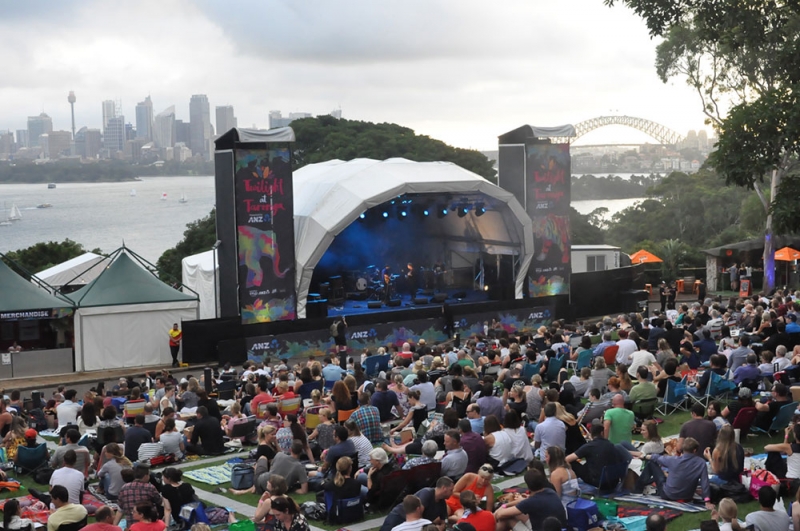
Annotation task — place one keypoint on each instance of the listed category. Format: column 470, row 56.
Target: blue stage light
column 462, row 211
column 441, row 212
column 385, row 214
column 480, row 209
column 425, row 212
column 363, row 215
column 403, row 213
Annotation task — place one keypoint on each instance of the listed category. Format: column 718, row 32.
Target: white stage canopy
column 329, row 196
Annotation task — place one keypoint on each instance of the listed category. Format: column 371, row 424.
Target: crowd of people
column 494, row 404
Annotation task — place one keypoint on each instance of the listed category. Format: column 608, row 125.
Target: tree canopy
column 44, row 255
column 198, row 237
column 743, row 59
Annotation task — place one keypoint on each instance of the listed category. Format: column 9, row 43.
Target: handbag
column 582, row 514
column 762, row 478
column 242, row 476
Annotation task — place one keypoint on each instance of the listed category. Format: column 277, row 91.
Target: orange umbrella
column 644, row 257
column 787, row 254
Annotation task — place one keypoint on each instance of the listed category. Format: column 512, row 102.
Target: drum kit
column 368, row 280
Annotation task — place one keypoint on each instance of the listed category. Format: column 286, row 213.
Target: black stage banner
column 296, row 346
column 548, row 199
column 265, row 227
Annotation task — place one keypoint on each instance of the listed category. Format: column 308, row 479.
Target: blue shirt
column 684, row 472
column 598, row 350
column 332, row 373
column 746, row 372
column 384, row 401
column 792, row 328
column 707, row 348
column 477, row 425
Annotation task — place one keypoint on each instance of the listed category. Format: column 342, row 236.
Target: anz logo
column 364, row 334
column 539, row 315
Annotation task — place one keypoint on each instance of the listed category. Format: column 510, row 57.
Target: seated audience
column 533, row 510
column 683, row 474
column 66, row 512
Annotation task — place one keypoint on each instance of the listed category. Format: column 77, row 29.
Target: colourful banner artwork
column 548, row 203
column 296, row 347
column 265, row 227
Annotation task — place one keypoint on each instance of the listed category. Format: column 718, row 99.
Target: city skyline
column 544, row 64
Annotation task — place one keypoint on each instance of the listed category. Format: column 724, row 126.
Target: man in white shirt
column 639, row 358
column 413, row 508
column 626, row 348
column 68, row 411
column 767, row 518
column 69, row 478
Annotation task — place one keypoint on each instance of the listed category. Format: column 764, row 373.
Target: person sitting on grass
column 289, row 467
column 685, row 471
column 65, row 512
column 767, row 518
column 541, row 504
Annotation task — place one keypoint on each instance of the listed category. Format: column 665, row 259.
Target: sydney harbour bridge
column 663, row 134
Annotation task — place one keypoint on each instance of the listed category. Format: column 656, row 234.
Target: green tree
column 44, row 255
column 582, row 230
column 198, row 237
column 672, row 252
column 745, row 55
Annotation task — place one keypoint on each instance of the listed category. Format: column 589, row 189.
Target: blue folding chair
column 719, row 387
column 674, row 397
column 529, row 369
column 782, row 419
column 193, row 513
column 554, row 366
column 584, row 360
column 343, row 511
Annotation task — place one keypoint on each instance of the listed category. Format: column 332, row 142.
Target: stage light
column 363, row 215
column 385, row 215
column 462, row 211
column 479, row 209
column 402, row 213
column 441, row 211
column 486, row 287
column 425, row 213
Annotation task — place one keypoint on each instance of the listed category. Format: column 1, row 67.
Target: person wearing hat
column 791, row 324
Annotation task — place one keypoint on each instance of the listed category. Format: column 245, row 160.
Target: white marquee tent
column 329, row 196
column 197, row 274
column 78, row 271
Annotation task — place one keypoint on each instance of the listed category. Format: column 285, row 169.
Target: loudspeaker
column 317, row 309
column 36, row 398
column 420, row 300
column 207, row 379
column 460, row 295
column 374, row 305
column 439, row 297
column 357, row 295
column 394, row 303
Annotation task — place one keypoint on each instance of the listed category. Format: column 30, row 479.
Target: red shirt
column 260, row 398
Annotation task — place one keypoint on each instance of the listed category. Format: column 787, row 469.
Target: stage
column 454, row 296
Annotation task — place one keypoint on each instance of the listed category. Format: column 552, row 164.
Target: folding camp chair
column 610, row 354
column 29, row 460
column 584, row 360
column 554, row 366
column 393, row 486
column 530, row 369
column 782, row 419
column 744, row 420
column 73, row 526
column 226, row 390
column 343, row 511
column 645, row 408
column 289, row 406
column 719, row 387
column 674, row 397
column 306, row 389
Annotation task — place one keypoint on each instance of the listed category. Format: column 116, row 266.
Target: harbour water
column 103, row 215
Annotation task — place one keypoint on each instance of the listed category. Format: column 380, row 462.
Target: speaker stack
column 439, row 298
column 394, row 303
column 420, row 300
column 374, row 305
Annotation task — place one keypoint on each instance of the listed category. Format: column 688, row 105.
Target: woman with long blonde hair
column 727, row 459
column 728, row 512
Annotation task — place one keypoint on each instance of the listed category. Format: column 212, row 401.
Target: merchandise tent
column 124, row 315
column 331, row 195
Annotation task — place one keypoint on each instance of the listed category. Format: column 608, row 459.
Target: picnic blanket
column 215, row 475
column 30, row 507
column 101, row 499
column 654, row 501
column 629, row 512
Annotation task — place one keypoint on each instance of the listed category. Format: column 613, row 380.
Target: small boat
column 133, row 192
column 15, row 214
column 183, row 199
column 163, row 196
column 51, row 186
column 44, row 205
column 5, row 223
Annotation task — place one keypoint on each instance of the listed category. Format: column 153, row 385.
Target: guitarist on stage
column 386, row 273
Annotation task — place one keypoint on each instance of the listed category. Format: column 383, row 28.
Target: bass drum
column 361, row 284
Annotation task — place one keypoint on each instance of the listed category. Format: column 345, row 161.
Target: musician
column 438, row 276
column 386, row 273
column 411, row 280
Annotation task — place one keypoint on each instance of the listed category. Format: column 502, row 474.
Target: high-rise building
column 38, row 126
column 225, row 119
column 88, row 143
column 183, row 132
column 22, row 138
column 200, row 123
column 702, row 139
column 71, row 99
column 164, row 128
column 144, row 119
column 6, row 144
column 114, row 135
column 109, row 111
column 58, row 144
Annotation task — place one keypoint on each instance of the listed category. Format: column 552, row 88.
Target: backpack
column 37, row 420
column 42, row 476
column 314, row 510
column 242, row 476
column 335, row 329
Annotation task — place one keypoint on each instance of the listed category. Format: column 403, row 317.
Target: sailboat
column 163, row 196
column 133, row 192
column 183, row 198
column 15, row 214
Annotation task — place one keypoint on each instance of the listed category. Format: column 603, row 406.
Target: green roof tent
column 19, row 299
column 124, row 315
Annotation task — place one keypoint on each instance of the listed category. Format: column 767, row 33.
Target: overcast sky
column 462, row 71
